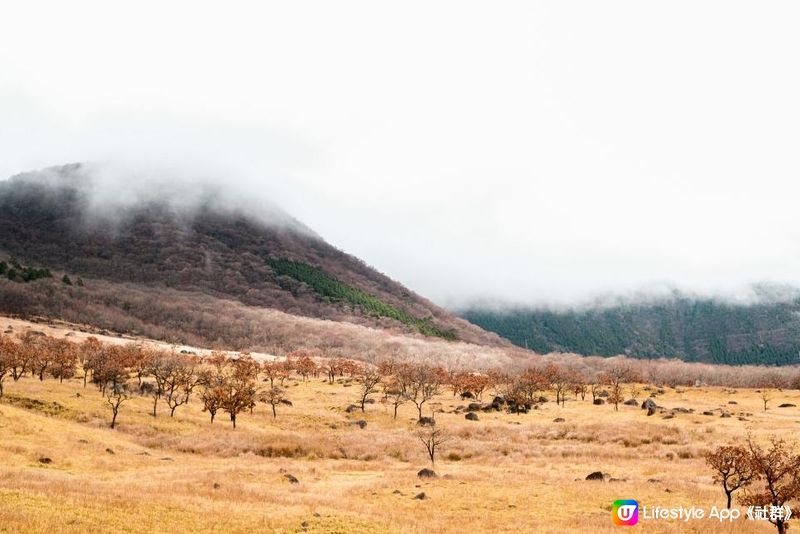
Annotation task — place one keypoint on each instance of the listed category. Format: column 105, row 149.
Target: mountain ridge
column 205, row 247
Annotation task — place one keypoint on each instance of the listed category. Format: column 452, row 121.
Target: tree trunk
column 395, row 410
column 213, row 414
column 155, row 402
column 730, row 495
column 114, row 419
column 233, row 419
column 274, row 415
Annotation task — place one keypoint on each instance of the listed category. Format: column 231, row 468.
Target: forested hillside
column 691, row 329
column 51, row 224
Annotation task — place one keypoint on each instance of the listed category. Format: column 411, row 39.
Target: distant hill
column 50, row 221
column 692, row 329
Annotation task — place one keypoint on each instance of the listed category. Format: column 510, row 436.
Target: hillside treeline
column 692, row 330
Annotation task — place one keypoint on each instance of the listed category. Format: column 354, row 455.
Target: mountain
column 766, row 331
column 75, row 248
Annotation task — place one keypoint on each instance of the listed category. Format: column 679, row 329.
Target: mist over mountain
column 760, row 326
column 123, row 234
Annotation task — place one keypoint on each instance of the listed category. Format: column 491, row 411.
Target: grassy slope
column 505, row 473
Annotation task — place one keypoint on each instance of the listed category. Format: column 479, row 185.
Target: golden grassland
column 504, row 473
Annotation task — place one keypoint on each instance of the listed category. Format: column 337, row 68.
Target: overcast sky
column 531, row 151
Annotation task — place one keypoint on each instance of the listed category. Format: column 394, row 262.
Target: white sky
column 531, row 151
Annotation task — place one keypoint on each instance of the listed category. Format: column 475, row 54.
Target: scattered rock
column 603, row 394
column 786, row 405
column 542, row 399
column 649, row 404
column 397, row 492
column 360, row 423
column 316, row 514
column 216, row 485
column 668, row 416
column 732, row 402
column 429, row 421
column 467, row 395
column 474, row 406
column 631, row 402
column 597, row 475
column 166, row 459
column 651, row 411
column 617, row 479
column 708, row 413
column 682, row 410
column 291, row 478
column 287, row 402
column 352, row 408
column 420, row 496
column 654, row 481
column 426, row 473
column 598, row 402
column 725, row 414
column 110, row 451
column 45, row 460
column 559, row 420
column 471, row 416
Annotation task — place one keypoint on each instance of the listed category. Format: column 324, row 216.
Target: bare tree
column 41, row 356
column 558, row 380
column 778, row 469
column 305, row 366
column 394, row 393
column 273, row 397
column 422, row 384
column 432, row 437
column 115, row 396
column 271, row 370
column 239, row 387
column 212, row 392
column 615, row 378
column 370, row 378
column 64, row 358
column 733, row 467
column 594, row 388
column 180, row 382
column 88, row 352
column 766, row 396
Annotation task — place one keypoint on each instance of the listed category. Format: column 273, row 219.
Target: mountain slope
column 53, row 219
column 692, row 329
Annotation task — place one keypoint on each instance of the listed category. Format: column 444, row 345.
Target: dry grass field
column 503, row 473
